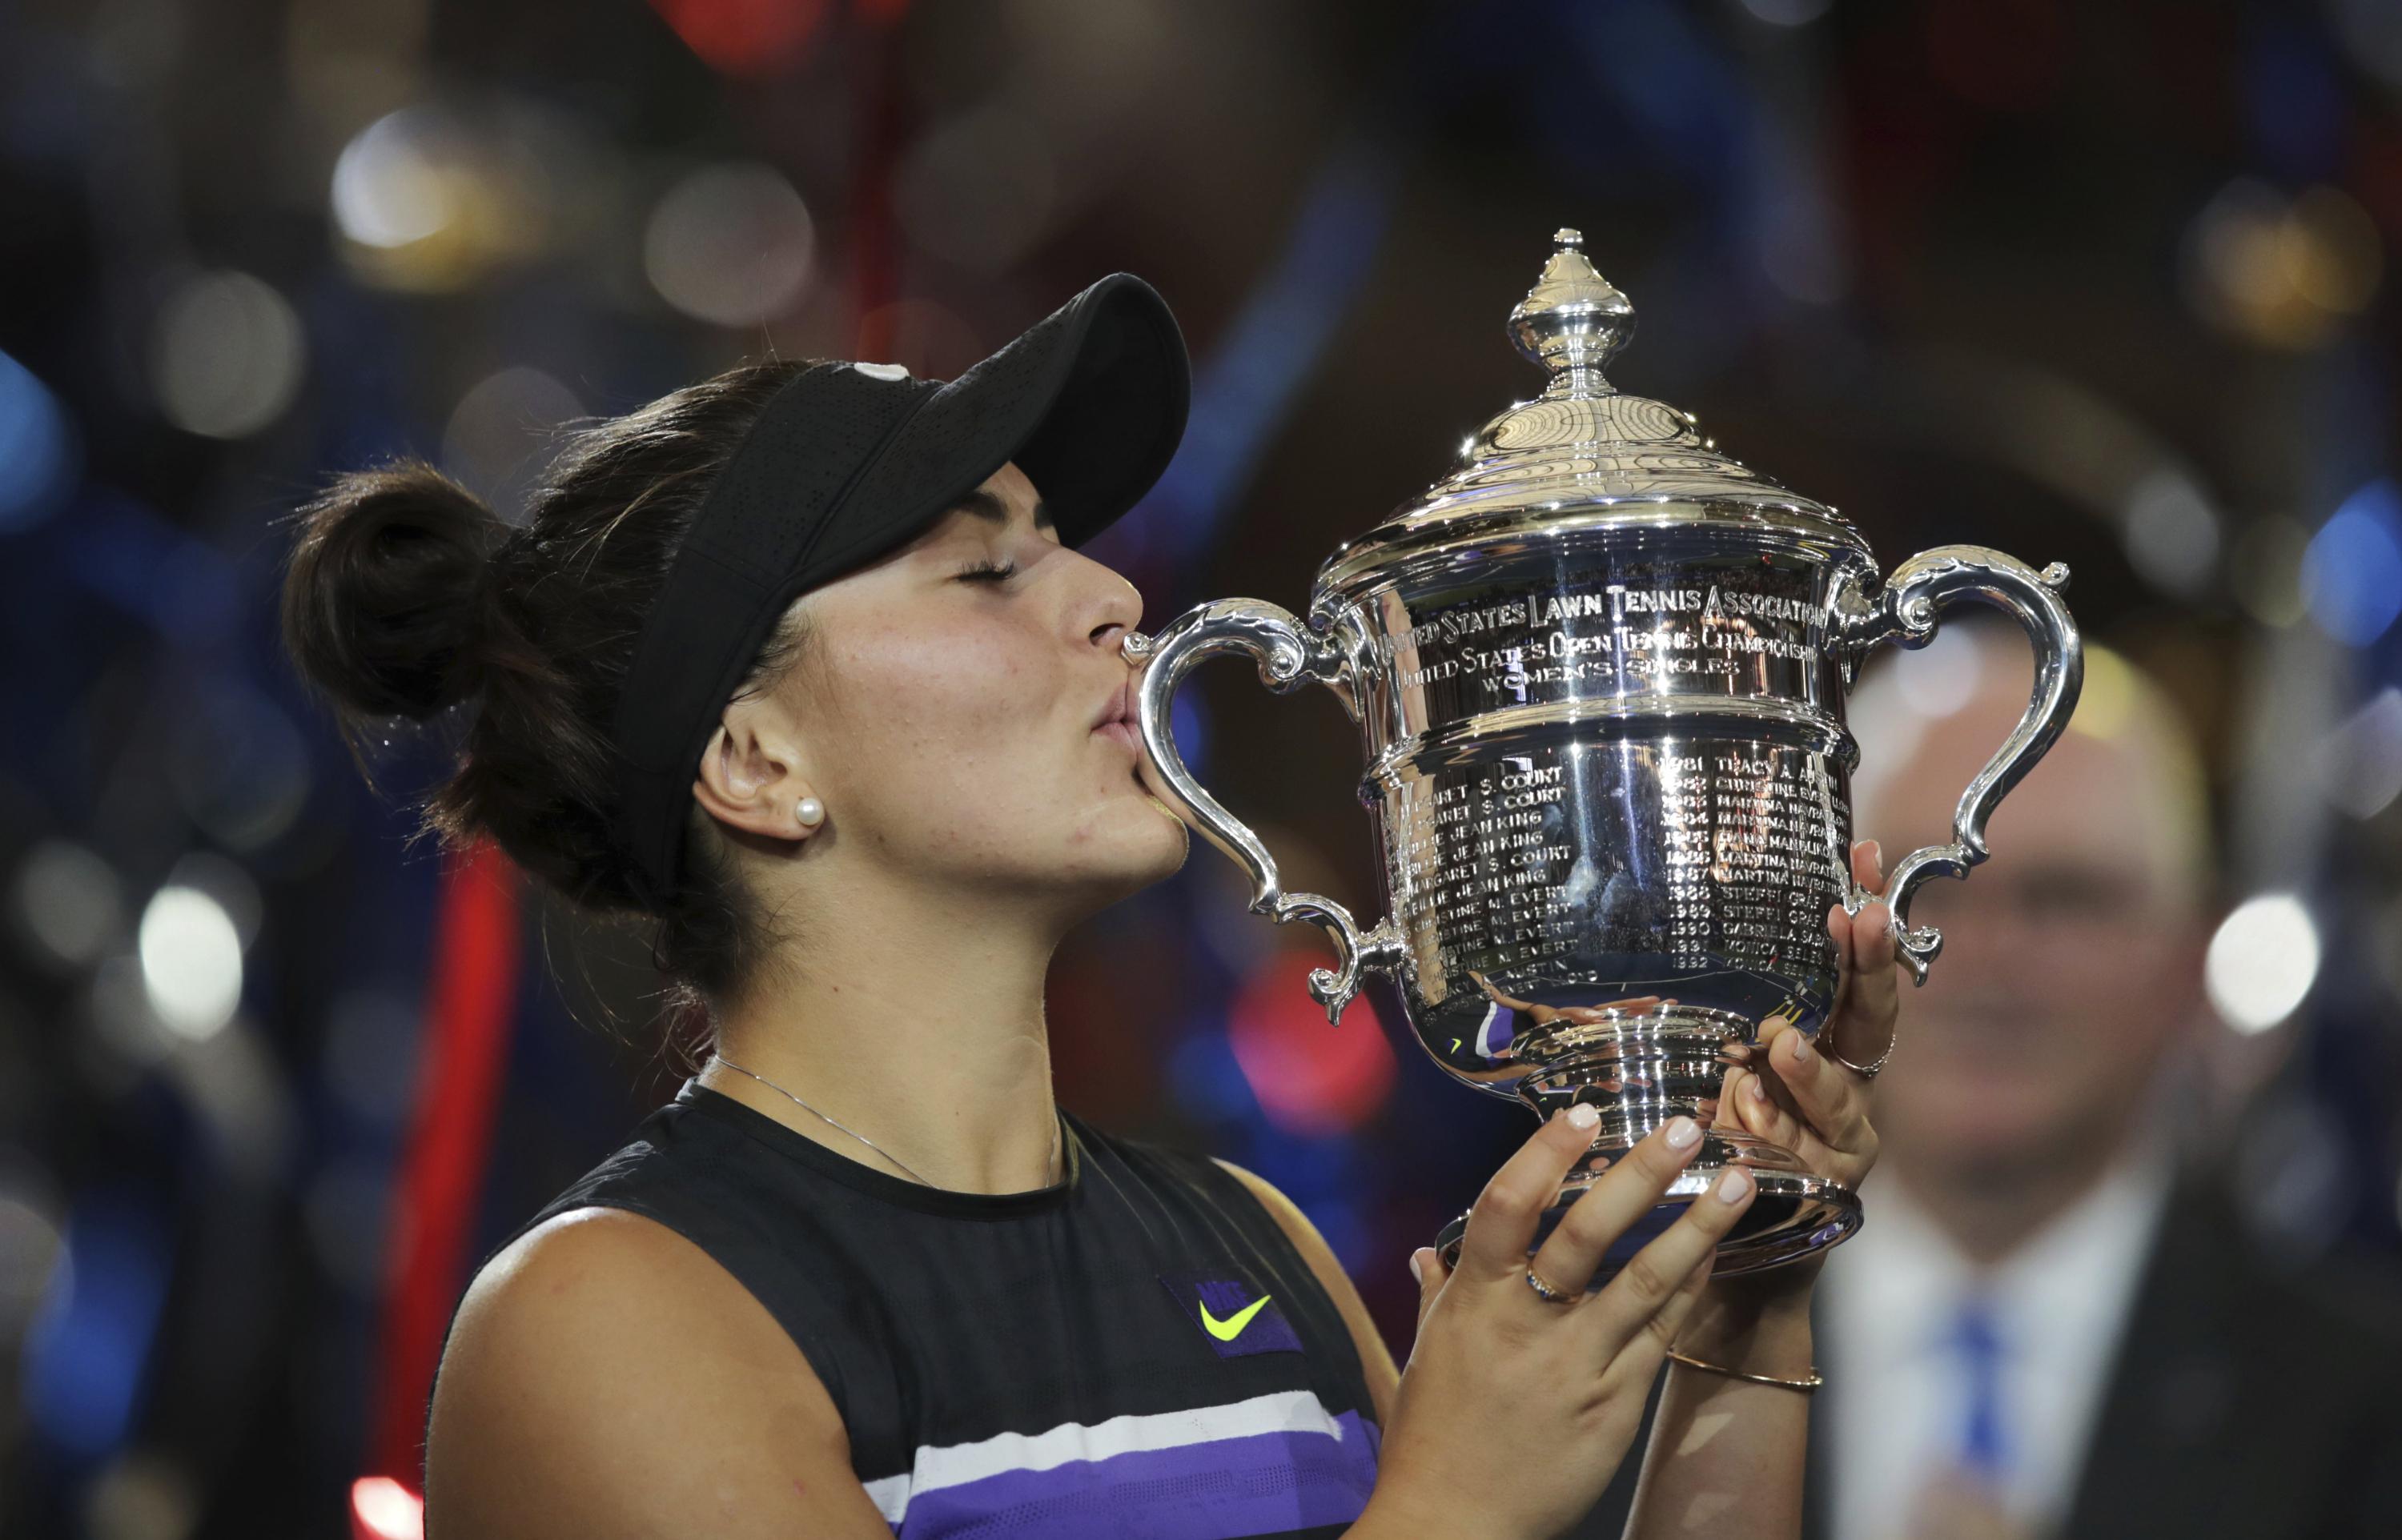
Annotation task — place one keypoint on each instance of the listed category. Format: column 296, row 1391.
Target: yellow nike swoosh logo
column 1232, row 1326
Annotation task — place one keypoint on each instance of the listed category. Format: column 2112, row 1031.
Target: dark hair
column 406, row 595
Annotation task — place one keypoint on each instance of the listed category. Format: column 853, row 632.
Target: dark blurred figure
column 2056, row 1321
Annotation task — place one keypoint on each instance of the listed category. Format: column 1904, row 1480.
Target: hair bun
column 385, row 588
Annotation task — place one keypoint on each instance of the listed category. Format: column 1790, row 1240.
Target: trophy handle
column 1290, row 655
column 1905, row 612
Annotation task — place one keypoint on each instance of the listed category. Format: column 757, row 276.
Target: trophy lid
column 1583, row 453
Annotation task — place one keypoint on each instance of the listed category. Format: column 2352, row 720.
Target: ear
column 750, row 775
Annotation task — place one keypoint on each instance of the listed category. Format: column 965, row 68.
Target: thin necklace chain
column 1058, row 1173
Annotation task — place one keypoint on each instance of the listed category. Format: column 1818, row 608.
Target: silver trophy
column 1598, row 673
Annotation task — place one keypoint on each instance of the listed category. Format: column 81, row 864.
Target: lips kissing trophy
column 1598, row 673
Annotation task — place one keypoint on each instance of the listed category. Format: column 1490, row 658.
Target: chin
column 1995, row 1121
column 1163, row 843
column 1136, row 842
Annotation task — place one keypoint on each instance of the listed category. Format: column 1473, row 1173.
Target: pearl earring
column 809, row 811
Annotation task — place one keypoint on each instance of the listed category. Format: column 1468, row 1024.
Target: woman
column 801, row 667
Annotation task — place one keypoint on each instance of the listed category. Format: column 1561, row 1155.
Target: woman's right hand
column 1514, row 1412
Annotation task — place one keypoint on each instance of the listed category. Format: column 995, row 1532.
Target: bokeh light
column 2360, row 764
column 1309, row 1078
column 2108, row 701
column 1940, row 677
column 2281, row 272
column 30, row 1243
column 2351, row 572
column 383, row 1509
column 37, row 448
column 501, row 435
column 402, row 179
column 230, row 882
column 239, row 765
column 227, row 355
column 125, row 1027
column 2262, row 962
column 69, row 901
column 191, row 961
column 142, row 1495
column 431, row 197
column 2330, row 250
column 745, row 37
column 730, row 244
column 2264, row 568
column 2170, row 532
column 89, row 1340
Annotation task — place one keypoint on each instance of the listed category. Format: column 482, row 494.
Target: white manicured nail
column 1683, row 1134
column 1734, row 1184
column 1583, row 1115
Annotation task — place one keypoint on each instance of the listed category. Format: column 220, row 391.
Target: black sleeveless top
column 1137, row 1349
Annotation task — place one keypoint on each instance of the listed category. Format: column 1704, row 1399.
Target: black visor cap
column 847, row 463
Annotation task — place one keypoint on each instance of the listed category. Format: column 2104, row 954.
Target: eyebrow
column 991, row 508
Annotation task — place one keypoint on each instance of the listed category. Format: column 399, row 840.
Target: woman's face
column 950, row 711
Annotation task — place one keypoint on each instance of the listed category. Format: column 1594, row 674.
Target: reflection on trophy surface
column 1598, row 674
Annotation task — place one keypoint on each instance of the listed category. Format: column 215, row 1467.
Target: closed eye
column 988, row 570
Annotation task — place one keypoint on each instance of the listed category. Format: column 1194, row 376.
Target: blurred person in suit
column 2058, row 1321
column 2054, row 1322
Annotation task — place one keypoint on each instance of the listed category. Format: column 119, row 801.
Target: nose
column 1113, row 608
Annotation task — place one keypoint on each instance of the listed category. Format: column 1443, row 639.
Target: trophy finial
column 1572, row 320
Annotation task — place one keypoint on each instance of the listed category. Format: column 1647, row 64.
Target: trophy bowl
column 1598, row 674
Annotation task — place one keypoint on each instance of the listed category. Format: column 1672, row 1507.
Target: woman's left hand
column 1794, row 1094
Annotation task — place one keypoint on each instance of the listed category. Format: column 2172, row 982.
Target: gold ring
column 1550, row 1296
column 1865, row 1071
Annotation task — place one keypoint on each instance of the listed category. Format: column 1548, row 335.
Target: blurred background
column 2105, row 283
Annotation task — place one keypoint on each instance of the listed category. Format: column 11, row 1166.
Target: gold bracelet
column 1813, row 1383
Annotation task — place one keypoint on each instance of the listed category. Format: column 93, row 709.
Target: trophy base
column 1797, row 1211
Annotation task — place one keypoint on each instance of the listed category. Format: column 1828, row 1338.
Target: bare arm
column 607, row 1380
column 1727, row 1457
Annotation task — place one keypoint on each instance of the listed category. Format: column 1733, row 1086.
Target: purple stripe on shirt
column 1262, row 1483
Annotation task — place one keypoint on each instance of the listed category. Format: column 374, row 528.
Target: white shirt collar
column 1890, row 1298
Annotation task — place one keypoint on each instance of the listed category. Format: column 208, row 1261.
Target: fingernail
column 1876, row 859
column 1683, row 1134
column 1802, row 1053
column 1734, row 1184
column 1583, row 1115
column 1758, row 1091
column 1417, row 1268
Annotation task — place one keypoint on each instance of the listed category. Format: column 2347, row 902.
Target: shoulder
column 604, row 1376
column 1376, row 1358
column 590, row 1263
